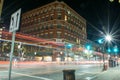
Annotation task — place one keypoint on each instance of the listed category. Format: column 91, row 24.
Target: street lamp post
column 107, row 38
column 103, row 53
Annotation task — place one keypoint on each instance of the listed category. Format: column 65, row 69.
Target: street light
column 111, row 0
column 109, row 50
column 88, row 47
column 115, row 50
column 100, row 41
column 107, row 38
column 114, row 0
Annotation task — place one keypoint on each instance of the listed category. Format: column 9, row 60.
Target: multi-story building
column 55, row 20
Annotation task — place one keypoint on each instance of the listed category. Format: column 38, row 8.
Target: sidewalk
column 110, row 74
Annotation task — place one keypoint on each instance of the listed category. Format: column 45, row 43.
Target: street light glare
column 108, row 38
column 119, row 1
column 111, row 0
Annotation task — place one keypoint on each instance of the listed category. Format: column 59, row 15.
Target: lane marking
column 81, row 74
column 33, row 76
column 92, row 72
column 29, row 75
column 90, row 78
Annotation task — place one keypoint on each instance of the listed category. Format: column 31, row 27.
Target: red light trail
column 22, row 36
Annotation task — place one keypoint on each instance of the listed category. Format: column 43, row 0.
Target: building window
column 65, row 18
column 46, row 18
column 46, row 27
column 51, row 35
column 68, row 12
column 42, row 28
column 69, row 20
column 59, row 26
column 46, row 35
column 59, row 16
column 37, row 35
column 58, row 34
column 51, row 26
column 51, row 17
column 43, row 19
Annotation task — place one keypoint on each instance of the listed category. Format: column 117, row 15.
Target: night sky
column 102, row 16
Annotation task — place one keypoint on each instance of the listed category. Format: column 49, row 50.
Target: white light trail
column 33, row 76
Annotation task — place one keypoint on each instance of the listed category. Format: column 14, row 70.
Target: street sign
column 15, row 20
column 59, row 40
column 14, row 25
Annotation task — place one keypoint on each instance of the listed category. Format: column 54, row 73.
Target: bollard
column 114, row 63
column 105, row 66
column 110, row 63
column 69, row 74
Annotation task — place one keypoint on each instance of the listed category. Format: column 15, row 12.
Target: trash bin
column 69, row 74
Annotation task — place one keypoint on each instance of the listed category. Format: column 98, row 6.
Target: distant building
column 56, row 21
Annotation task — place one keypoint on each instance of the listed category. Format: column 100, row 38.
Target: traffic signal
column 109, row 50
column 100, row 41
column 88, row 47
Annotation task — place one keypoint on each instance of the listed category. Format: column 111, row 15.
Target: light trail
column 33, row 76
column 32, row 39
column 43, row 78
column 24, row 43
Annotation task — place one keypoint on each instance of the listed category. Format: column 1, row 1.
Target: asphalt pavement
column 48, row 71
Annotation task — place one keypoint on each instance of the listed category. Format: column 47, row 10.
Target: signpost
column 14, row 26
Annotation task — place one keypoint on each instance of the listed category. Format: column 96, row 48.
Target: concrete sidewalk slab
column 110, row 74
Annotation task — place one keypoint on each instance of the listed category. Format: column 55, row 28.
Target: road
column 48, row 71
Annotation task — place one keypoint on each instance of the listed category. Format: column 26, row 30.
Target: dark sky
column 101, row 15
